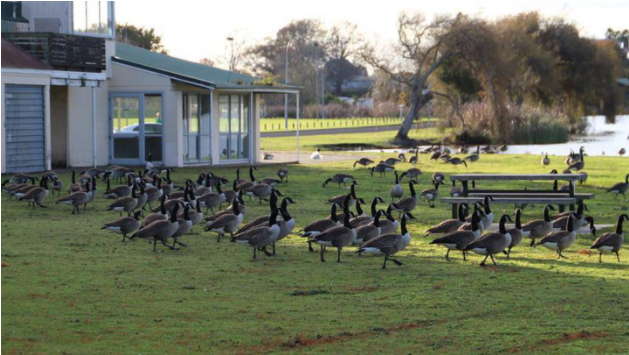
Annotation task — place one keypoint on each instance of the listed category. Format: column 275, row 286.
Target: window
column 234, row 127
column 196, row 128
column 93, row 17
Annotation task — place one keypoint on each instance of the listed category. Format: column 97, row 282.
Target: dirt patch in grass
column 564, row 338
column 309, row 292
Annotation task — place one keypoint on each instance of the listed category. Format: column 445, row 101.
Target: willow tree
column 422, row 47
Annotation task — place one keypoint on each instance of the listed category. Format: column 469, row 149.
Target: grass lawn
column 377, row 139
column 278, row 124
column 69, row 287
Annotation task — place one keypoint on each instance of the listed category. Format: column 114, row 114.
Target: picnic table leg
column 465, row 188
column 572, row 191
column 455, row 210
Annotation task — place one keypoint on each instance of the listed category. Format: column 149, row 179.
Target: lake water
column 601, row 139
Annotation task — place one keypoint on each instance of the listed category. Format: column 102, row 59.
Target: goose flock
column 173, row 210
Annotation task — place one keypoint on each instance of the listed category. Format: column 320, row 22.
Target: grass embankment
column 374, row 140
column 69, row 287
column 278, row 124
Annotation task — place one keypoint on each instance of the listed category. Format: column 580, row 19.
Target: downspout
column 252, row 129
column 94, row 125
column 297, row 114
column 211, row 124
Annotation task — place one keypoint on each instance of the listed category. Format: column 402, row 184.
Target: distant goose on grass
column 319, row 226
column 271, row 181
column 463, row 149
column 540, row 227
column 365, row 162
column 162, row 213
column 580, row 164
column 246, row 184
column 286, row 223
column 261, row 191
column 194, row 213
column 487, row 216
column 515, row 232
column 337, row 237
column 118, row 191
column 389, row 225
column 474, row 156
column 396, row 191
column 124, row 225
column 154, row 193
column 408, row 204
column 620, row 188
column 460, row 239
column 546, row 160
column 560, row 240
column 583, row 178
column 389, row 244
column 431, row 195
column 227, row 223
column 339, row 179
column 392, row 161
column 37, row 195
column 611, row 242
column 492, row 243
column 455, row 191
column 456, row 161
column 125, row 204
column 261, row 237
column 230, row 195
column 185, row 226
column 622, row 152
column 76, row 199
column 438, row 177
column 56, row 185
column 282, row 174
column 415, row 158
column 369, row 231
column 261, row 220
column 339, row 199
column 435, row 155
column 160, row 230
column 230, row 209
column 449, row 225
column 412, row 173
column 382, row 169
column 366, row 219
column 316, row 155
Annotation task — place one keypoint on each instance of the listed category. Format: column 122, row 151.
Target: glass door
column 136, row 128
column 126, row 129
column 234, row 127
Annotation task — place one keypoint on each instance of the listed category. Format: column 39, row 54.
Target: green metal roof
column 189, row 71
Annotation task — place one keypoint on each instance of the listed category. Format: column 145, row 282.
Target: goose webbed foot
column 310, row 249
column 397, row 262
column 532, row 243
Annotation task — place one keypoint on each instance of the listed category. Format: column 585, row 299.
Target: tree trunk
column 418, row 101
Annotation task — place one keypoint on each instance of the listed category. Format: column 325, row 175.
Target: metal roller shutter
column 24, row 125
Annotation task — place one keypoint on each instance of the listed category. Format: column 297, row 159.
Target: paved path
column 318, row 132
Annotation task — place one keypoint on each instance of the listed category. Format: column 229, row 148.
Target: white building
column 103, row 102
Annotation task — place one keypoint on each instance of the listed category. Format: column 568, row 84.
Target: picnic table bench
column 524, row 196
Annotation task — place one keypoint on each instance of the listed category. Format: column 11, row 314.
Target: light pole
column 316, row 44
column 286, row 95
column 323, row 90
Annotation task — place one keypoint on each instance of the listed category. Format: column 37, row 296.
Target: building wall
column 80, row 126
column 49, row 9
column 59, row 125
column 28, row 79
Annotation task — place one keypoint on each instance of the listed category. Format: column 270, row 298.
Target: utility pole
column 286, row 95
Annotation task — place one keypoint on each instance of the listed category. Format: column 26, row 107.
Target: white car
column 149, row 128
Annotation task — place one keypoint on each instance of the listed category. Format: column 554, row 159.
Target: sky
column 198, row 30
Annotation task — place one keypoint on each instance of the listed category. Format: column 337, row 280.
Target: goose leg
column 464, row 255
column 338, row 258
column 322, row 258
column 533, row 243
column 310, row 249
column 618, row 256
column 154, row 244
column 561, row 255
column 124, row 237
column 483, row 263
column 254, row 254
column 492, row 259
column 448, row 255
column 168, row 246
column 273, row 249
column 600, row 258
column 384, row 266
column 397, row 262
column 266, row 252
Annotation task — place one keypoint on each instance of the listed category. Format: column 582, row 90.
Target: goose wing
column 554, row 237
column 221, row 222
column 385, row 241
column 457, row 237
column 151, row 229
column 608, row 239
column 331, row 234
column 320, row 225
column 446, row 226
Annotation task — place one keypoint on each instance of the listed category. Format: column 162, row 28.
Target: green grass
column 69, row 287
column 376, row 139
column 278, row 124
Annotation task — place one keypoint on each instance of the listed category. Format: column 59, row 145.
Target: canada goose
column 319, row 226
column 152, row 168
column 487, row 216
column 260, row 237
column 178, row 195
column 160, row 230
column 230, row 195
column 449, row 225
column 37, row 195
column 412, row 173
column 21, row 190
column 261, row 220
column 94, row 172
column 229, row 209
column 611, row 242
column 431, row 195
column 287, row 223
column 459, row 239
column 396, row 191
column 118, row 172
column 238, row 180
column 438, row 177
column 57, row 185
column 445, row 157
column 339, row 199
column 545, row 160
column 125, row 204
column 366, row 219
column 185, row 226
column 407, row 204
column 382, row 169
column 204, row 187
column 119, row 191
column 456, row 161
column 316, row 155
column 474, row 156
column 455, row 191
column 154, row 193
column 15, row 183
column 620, row 188
column 369, row 231
column 227, row 223
column 479, row 212
column 91, row 195
column 415, row 158
column 157, row 216
column 583, row 177
column 20, row 178
column 578, row 165
column 364, row 162
column 76, row 199
column 261, row 191
column 463, row 149
column 124, row 225
column 487, row 149
column 339, row 179
column 540, row 227
column 244, row 185
column 581, row 207
column 345, row 207
column 503, row 148
column 337, row 237
column 578, row 221
column 390, row 225
column 142, row 198
column 270, row 181
column 560, row 240
column 402, row 157
column 515, row 232
column 435, row 155
column 169, row 186
column 212, row 200
column 282, row 174
column 392, row 161
column 389, row 244
column 492, row 243
column 194, row 213
column 622, row 152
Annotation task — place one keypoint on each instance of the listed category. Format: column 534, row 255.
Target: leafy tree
column 140, row 37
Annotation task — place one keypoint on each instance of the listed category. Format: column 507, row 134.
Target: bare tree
column 343, row 40
column 420, row 50
column 207, row 61
column 235, row 49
